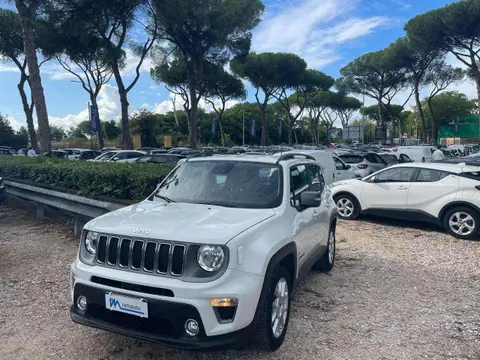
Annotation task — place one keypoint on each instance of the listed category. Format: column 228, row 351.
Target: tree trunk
column 192, row 121
column 421, row 113
column 433, row 123
column 477, row 82
column 122, row 92
column 382, row 121
column 100, row 141
column 28, row 109
column 222, row 134
column 38, row 95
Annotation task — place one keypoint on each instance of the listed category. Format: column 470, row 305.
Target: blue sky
column 327, row 33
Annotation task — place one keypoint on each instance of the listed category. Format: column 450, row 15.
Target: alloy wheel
column 461, row 223
column 280, row 308
column 345, row 207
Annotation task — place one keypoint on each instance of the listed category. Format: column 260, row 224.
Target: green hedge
column 90, row 179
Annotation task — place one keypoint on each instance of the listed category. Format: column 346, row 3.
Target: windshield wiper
column 218, row 204
column 168, row 200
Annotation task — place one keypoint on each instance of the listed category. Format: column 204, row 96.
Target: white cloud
column 307, row 29
column 8, row 68
column 108, row 107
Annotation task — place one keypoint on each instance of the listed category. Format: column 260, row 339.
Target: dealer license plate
column 127, row 305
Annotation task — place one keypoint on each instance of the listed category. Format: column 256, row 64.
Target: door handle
column 402, row 188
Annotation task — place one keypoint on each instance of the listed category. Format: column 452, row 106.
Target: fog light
column 191, row 327
column 82, row 303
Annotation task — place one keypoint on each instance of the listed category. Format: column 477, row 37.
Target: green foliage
column 116, row 181
column 8, row 137
column 11, row 41
column 111, row 129
column 447, row 107
column 145, row 124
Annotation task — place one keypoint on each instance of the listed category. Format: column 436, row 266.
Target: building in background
column 463, row 131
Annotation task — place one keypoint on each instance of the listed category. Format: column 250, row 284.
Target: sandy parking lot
column 395, row 293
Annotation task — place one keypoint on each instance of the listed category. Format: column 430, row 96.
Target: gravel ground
column 395, row 293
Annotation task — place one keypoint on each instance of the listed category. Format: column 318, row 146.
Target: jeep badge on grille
column 142, row 231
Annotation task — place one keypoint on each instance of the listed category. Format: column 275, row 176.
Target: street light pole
column 363, row 120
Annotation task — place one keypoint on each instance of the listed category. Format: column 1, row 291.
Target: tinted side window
column 338, row 164
column 429, row 175
column 317, row 181
column 396, row 175
column 298, row 183
column 371, row 158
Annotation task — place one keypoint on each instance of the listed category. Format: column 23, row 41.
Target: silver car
column 364, row 164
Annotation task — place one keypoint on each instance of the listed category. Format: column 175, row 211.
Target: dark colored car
column 4, row 151
column 89, row 155
column 178, row 150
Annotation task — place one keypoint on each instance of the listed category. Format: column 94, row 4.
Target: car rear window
column 351, row 159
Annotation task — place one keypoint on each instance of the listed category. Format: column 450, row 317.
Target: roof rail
column 291, row 156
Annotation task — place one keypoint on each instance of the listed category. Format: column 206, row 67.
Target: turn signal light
column 362, row 166
column 477, row 187
column 224, row 302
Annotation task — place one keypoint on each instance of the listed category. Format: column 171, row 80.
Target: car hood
column 349, row 182
column 192, row 223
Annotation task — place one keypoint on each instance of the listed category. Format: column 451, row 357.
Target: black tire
column 462, row 215
column 347, row 199
column 264, row 339
column 326, row 263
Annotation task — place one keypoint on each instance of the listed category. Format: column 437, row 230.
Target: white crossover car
column 445, row 194
column 211, row 258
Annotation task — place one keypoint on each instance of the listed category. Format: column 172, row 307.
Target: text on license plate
column 127, row 305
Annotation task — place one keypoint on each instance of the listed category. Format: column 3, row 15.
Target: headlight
column 210, row 257
column 91, row 242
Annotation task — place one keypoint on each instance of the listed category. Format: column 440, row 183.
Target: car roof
column 265, row 159
column 453, row 168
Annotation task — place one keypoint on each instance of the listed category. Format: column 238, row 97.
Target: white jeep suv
column 212, row 257
column 444, row 194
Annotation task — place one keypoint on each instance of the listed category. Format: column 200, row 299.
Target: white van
column 417, row 153
column 331, row 172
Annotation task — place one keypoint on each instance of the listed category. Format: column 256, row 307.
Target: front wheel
column 273, row 322
column 326, row 263
column 462, row 223
column 348, row 208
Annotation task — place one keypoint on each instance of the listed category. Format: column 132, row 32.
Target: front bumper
column 176, row 300
column 165, row 324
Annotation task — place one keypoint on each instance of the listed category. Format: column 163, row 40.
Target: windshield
column 106, row 156
column 224, row 183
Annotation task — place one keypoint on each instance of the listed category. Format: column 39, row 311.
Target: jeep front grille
column 141, row 255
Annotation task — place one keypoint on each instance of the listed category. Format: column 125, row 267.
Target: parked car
column 121, row 156
column 72, row 153
column 86, row 155
column 343, row 171
column 395, row 158
column 364, row 164
column 212, row 258
column 328, row 164
column 4, row 151
column 9, row 149
column 417, row 153
column 178, row 150
column 443, row 194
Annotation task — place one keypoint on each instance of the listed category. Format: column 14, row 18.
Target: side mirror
column 349, row 167
column 310, row 199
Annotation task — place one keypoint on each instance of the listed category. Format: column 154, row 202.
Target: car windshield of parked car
column 390, row 159
column 224, row 183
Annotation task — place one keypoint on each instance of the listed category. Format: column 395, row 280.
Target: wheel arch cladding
column 286, row 256
column 357, row 202
column 448, row 207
